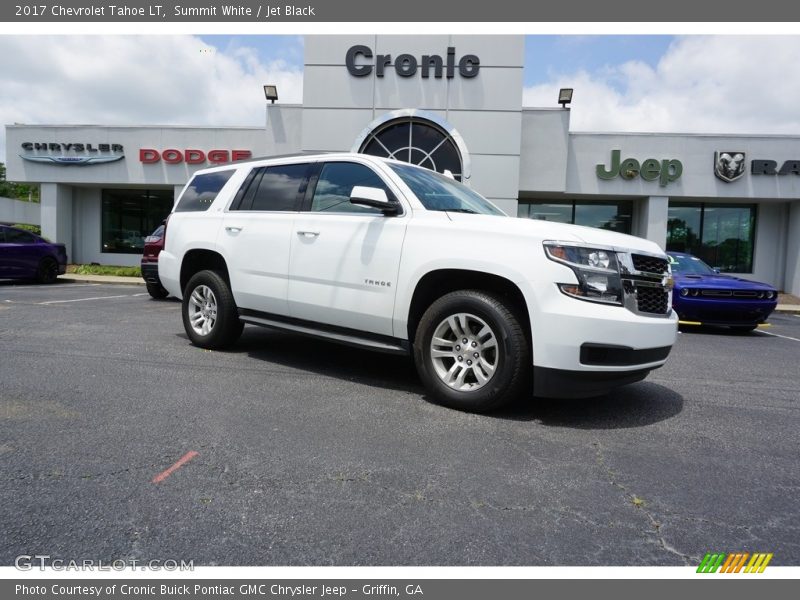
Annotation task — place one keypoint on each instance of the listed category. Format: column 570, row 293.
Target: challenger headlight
column 596, row 269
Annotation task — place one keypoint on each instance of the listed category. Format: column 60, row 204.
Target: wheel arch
column 439, row 282
column 200, row 259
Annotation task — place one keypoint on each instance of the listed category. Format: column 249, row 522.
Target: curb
column 788, row 308
column 71, row 278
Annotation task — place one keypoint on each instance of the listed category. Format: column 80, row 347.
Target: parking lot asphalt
column 301, row 452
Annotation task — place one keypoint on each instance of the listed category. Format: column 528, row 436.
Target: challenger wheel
column 471, row 351
column 209, row 312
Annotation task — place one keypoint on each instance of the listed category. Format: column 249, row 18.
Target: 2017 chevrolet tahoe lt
column 400, row 259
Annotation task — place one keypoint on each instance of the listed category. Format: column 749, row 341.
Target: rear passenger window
column 276, row 188
column 202, row 191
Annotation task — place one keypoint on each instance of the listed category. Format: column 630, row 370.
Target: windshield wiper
column 462, row 210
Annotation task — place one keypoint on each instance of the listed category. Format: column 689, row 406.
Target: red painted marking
column 181, row 461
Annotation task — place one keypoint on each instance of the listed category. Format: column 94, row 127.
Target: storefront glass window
column 720, row 235
column 128, row 216
column 612, row 215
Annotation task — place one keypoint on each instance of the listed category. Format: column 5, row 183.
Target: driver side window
column 335, row 184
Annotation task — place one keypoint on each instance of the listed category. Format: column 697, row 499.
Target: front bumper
column 723, row 312
column 584, row 348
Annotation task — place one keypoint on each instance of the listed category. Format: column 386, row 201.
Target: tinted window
column 278, row 188
column 15, row 236
column 202, row 191
column 335, row 184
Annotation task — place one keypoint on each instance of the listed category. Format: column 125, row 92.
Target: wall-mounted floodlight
column 271, row 92
column 565, row 97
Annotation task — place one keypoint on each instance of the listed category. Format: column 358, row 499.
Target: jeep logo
column 406, row 65
column 665, row 171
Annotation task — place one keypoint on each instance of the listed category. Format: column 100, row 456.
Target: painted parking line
column 786, row 337
column 178, row 464
column 28, row 288
column 93, row 298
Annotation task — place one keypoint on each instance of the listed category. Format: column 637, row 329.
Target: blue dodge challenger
column 704, row 296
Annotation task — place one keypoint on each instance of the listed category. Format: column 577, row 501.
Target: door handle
column 233, row 229
column 308, row 233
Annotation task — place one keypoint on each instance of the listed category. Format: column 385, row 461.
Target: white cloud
column 133, row 80
column 718, row 84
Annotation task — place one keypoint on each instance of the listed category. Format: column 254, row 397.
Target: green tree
column 19, row 191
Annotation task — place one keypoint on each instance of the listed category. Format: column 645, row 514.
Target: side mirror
column 374, row 198
column 716, row 270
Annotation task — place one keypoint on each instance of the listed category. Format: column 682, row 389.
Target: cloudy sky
column 701, row 84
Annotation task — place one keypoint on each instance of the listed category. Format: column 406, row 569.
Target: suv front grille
column 652, row 300
column 649, row 264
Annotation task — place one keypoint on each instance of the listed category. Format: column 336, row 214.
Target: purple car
column 704, row 296
column 24, row 255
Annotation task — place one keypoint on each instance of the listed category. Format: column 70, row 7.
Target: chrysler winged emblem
column 729, row 166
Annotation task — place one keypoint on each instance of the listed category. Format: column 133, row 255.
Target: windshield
column 437, row 192
column 689, row 265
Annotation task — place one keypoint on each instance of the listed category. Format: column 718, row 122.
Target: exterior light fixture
column 564, row 97
column 271, row 92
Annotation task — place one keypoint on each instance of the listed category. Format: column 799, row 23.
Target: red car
column 153, row 244
column 24, row 255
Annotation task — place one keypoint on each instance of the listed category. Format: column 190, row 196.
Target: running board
column 381, row 345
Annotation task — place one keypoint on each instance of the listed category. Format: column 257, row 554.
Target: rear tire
column 210, row 317
column 48, row 271
column 490, row 369
column 743, row 328
column 157, row 291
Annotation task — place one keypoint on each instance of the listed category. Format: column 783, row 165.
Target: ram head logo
column 729, row 166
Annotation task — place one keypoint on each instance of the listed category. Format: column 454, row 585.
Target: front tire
column 47, row 272
column 210, row 317
column 743, row 328
column 471, row 351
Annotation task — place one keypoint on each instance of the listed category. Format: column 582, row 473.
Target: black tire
column 226, row 327
column 156, row 291
column 48, row 271
column 743, row 328
column 512, row 364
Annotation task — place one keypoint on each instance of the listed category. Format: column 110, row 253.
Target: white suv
column 396, row 258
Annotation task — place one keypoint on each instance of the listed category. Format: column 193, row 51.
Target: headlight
column 596, row 269
column 685, row 292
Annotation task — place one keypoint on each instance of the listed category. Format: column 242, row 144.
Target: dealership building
column 447, row 102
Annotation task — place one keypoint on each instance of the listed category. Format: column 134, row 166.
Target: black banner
column 360, row 11
column 363, row 589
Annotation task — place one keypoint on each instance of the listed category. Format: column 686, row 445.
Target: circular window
column 417, row 141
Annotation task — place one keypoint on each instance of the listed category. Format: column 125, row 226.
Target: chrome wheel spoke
column 442, row 353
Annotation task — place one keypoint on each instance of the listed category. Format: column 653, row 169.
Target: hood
column 549, row 230
column 718, row 282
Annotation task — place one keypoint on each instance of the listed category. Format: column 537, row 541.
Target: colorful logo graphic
column 734, row 562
